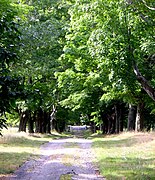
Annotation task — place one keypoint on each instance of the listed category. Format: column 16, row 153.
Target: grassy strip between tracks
column 126, row 156
column 16, row 148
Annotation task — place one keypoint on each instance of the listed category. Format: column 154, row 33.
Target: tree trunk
column 30, row 123
column 93, row 127
column 111, row 124
column 105, row 123
column 48, row 129
column 44, row 122
column 131, row 117
column 121, row 121
column 24, row 116
column 48, row 123
column 140, row 117
column 39, row 121
column 53, row 118
column 117, row 117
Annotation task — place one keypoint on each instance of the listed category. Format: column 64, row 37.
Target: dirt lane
column 66, row 158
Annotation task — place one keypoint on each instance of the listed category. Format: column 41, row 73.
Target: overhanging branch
column 151, row 8
column 144, row 83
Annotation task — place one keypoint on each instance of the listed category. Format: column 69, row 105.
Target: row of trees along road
column 77, row 62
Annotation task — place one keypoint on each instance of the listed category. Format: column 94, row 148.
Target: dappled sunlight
column 70, row 156
column 10, row 161
column 19, row 149
column 86, row 177
column 126, row 139
column 67, row 143
column 52, row 161
column 23, row 146
column 16, row 148
column 78, row 140
column 117, row 167
column 129, row 155
column 65, row 150
column 19, row 144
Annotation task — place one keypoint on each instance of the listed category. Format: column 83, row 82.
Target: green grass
column 126, row 156
column 66, row 177
column 87, row 133
column 16, row 148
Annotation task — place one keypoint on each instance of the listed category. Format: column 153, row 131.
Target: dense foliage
column 78, row 62
column 9, row 45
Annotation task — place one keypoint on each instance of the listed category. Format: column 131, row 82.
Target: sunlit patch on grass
column 126, row 156
column 16, row 148
column 9, row 162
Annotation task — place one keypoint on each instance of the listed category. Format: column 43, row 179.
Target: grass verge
column 16, row 148
column 66, row 177
column 126, row 156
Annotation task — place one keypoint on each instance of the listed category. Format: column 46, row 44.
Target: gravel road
column 61, row 159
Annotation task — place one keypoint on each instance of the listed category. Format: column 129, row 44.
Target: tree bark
column 39, row 121
column 93, row 127
column 48, row 123
column 121, row 120
column 140, row 117
column 131, row 117
column 113, row 123
column 117, row 116
column 24, row 116
column 30, row 123
column 144, row 83
column 105, row 123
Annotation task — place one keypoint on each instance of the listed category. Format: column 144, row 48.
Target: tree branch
column 151, row 8
column 144, row 83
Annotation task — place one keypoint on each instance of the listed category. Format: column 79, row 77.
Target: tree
column 42, row 38
column 123, row 47
column 97, row 46
column 73, row 58
column 9, row 45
